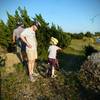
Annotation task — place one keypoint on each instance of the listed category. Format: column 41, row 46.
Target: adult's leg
column 19, row 51
column 31, row 61
column 30, row 69
column 31, row 66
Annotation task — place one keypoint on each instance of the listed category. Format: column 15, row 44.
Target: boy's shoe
column 32, row 79
column 35, row 74
column 53, row 76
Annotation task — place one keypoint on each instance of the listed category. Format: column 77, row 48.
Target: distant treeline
column 81, row 35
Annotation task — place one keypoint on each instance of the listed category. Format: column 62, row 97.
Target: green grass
column 79, row 44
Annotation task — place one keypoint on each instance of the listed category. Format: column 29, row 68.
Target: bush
column 89, row 74
column 77, row 36
column 88, row 50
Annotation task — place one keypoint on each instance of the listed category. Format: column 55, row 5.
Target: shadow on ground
column 67, row 62
column 70, row 62
column 42, row 66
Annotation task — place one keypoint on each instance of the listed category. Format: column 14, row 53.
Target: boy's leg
column 53, row 70
column 57, row 65
column 48, row 71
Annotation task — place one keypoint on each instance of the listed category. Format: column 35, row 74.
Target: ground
column 15, row 83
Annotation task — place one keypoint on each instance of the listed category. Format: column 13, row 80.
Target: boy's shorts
column 53, row 62
column 31, row 54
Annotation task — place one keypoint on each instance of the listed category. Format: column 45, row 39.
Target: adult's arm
column 24, row 39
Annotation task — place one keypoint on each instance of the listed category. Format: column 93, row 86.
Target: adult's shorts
column 31, row 54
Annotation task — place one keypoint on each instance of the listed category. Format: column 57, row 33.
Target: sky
column 71, row 15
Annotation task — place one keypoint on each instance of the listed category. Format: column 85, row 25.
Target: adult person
column 29, row 38
column 20, row 46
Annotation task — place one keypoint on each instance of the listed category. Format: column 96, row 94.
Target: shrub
column 89, row 74
column 88, row 50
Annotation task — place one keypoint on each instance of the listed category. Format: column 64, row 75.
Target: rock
column 11, row 59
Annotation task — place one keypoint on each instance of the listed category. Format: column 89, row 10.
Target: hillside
column 15, row 84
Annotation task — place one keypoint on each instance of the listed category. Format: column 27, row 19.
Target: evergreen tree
column 4, row 34
column 24, row 17
column 43, row 35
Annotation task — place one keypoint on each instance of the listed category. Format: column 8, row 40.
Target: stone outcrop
column 11, row 59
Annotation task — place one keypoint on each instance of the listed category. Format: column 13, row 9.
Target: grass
column 79, row 44
column 17, row 86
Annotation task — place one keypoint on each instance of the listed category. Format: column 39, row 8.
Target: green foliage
column 24, row 17
column 43, row 34
column 97, row 33
column 81, row 35
column 4, row 34
column 77, row 35
column 88, row 50
column 88, row 34
column 19, row 68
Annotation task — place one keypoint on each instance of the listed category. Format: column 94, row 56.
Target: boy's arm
column 59, row 49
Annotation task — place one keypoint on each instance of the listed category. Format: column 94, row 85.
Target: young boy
column 52, row 60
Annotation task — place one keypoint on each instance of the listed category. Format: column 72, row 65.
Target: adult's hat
column 54, row 41
column 37, row 24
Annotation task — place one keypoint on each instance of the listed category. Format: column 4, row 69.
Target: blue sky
column 70, row 15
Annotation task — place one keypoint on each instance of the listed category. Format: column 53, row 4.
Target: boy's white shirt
column 53, row 51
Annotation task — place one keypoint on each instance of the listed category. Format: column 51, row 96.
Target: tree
column 4, row 34
column 77, row 35
column 88, row 34
column 24, row 17
column 97, row 33
column 43, row 35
